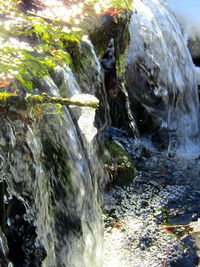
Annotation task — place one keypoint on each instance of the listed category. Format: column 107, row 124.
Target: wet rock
column 160, row 75
column 119, row 164
column 110, row 41
column 55, row 173
column 193, row 46
column 4, row 261
column 21, row 236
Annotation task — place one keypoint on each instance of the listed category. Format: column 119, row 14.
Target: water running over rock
column 53, row 177
column 51, row 161
column 154, row 220
column 161, row 75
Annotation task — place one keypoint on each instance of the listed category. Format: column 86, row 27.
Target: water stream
column 161, row 74
column 52, row 173
column 49, row 161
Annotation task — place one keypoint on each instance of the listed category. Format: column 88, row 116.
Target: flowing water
column 164, row 192
column 161, row 75
column 51, row 167
column 53, row 178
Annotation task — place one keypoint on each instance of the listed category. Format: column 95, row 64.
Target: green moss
column 112, row 28
column 56, row 159
column 30, row 64
column 119, row 164
column 32, row 44
column 4, row 96
column 64, row 169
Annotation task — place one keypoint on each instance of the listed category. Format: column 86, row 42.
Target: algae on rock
column 119, row 164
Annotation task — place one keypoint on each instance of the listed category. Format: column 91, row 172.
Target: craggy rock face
column 160, row 72
column 47, row 163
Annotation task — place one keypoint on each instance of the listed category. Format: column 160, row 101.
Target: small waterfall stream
column 52, row 169
column 161, row 75
column 48, row 160
column 143, row 218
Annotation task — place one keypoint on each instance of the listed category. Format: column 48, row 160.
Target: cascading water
column 51, row 161
column 161, row 75
column 146, row 220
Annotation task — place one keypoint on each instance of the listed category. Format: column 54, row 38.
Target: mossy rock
column 119, row 164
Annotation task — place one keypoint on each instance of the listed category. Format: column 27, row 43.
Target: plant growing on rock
column 120, row 166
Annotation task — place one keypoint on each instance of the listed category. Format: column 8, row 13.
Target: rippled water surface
column 165, row 191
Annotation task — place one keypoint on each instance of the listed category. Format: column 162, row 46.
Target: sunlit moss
column 35, row 36
column 100, row 5
column 32, row 99
column 4, row 96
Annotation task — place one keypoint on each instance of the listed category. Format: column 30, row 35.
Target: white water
column 187, row 14
column 159, row 56
column 84, row 184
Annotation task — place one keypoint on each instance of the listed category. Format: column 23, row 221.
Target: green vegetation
column 35, row 36
column 30, row 47
column 7, row 99
column 119, row 164
column 112, row 4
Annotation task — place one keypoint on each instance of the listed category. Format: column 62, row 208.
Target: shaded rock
column 119, row 164
column 194, row 47
column 111, row 40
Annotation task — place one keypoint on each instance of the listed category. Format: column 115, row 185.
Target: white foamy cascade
column 187, row 14
column 161, row 75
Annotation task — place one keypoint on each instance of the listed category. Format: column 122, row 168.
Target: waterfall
column 51, row 158
column 160, row 74
column 53, row 177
